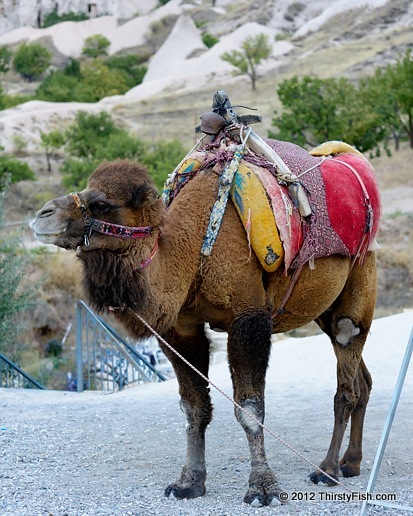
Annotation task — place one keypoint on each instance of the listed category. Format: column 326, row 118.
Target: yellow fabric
column 252, row 204
column 188, row 165
column 334, row 147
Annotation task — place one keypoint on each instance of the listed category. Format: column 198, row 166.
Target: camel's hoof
column 349, row 470
column 318, row 478
column 178, row 491
column 258, row 498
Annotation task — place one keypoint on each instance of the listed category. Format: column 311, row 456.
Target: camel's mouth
column 46, row 235
column 48, row 238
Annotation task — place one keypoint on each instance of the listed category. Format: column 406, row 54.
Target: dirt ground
column 95, row 454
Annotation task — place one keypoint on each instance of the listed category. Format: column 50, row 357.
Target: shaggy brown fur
column 178, row 293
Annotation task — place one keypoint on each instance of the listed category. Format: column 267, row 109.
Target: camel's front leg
column 249, row 344
column 196, row 404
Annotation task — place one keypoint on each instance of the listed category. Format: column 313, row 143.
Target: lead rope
column 278, row 438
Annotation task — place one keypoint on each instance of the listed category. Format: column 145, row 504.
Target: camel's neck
column 159, row 291
column 110, row 280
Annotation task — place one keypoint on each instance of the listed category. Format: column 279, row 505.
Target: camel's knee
column 346, row 400
column 199, row 415
column 254, row 408
column 345, row 331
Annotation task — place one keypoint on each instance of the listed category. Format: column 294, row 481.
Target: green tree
column 76, row 171
column 99, row 81
column 318, row 110
column 5, row 59
column 161, row 159
column 390, row 90
column 131, row 65
column 88, row 133
column 58, row 87
column 14, row 169
column 14, row 298
column 51, row 141
column 254, row 49
column 96, row 46
column 121, row 144
column 31, row 60
column 72, row 68
column 93, row 138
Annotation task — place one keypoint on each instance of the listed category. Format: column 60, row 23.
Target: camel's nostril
column 46, row 212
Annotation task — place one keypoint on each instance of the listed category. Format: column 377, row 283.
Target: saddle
column 340, row 185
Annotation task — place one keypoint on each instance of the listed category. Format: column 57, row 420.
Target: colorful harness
column 115, row 230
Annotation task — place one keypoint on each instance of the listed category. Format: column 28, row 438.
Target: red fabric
column 346, row 200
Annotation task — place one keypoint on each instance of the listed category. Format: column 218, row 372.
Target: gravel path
column 98, row 454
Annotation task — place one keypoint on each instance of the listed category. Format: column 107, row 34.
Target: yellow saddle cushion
column 334, row 147
column 254, row 209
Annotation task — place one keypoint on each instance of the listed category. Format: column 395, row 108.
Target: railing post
column 79, row 348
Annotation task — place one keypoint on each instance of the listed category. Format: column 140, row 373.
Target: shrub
column 96, row 46
column 14, row 299
column 5, row 59
column 31, row 60
column 9, row 101
column 17, row 170
column 209, row 40
column 131, row 65
column 93, row 138
column 89, row 132
column 53, row 18
column 162, row 158
column 19, row 145
column 99, row 81
column 76, row 171
column 58, row 87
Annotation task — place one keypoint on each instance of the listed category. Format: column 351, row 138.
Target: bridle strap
column 108, row 228
column 147, row 261
column 116, row 230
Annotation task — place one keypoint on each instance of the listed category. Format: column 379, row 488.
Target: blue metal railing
column 12, row 376
column 105, row 361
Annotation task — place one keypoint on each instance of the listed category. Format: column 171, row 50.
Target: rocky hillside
column 345, row 39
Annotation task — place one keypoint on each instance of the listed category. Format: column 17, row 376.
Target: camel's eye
column 100, row 207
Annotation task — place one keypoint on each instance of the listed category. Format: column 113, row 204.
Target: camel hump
column 333, row 148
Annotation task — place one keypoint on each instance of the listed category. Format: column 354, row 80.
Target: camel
column 139, row 258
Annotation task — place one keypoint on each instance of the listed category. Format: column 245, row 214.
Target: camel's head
column 119, row 193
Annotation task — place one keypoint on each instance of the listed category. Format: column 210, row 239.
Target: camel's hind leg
column 350, row 462
column 249, row 342
column 347, row 324
column 197, row 406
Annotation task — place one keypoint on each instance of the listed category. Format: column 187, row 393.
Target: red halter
column 115, row 230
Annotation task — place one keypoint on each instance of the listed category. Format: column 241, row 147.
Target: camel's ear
column 143, row 195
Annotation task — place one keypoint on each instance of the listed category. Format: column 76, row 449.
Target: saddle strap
column 364, row 243
column 294, row 278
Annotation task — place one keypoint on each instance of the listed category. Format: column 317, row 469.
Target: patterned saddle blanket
column 342, row 191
